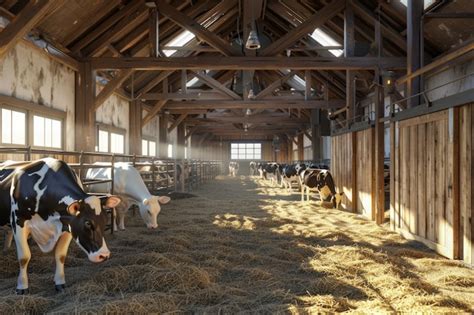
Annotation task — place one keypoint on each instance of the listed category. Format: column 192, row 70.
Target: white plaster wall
column 152, row 128
column 29, row 74
column 115, row 112
column 448, row 75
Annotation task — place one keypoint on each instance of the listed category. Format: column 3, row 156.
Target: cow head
column 87, row 221
column 336, row 199
column 150, row 208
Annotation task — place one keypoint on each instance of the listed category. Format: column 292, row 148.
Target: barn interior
column 380, row 92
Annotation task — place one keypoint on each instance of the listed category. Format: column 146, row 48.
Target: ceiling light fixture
column 252, row 41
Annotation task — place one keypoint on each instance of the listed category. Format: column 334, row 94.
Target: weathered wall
column 115, row 112
column 448, row 75
column 31, row 75
column 152, row 128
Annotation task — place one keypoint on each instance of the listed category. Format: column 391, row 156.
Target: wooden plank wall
column 423, row 197
column 466, row 183
column 365, row 169
column 341, row 165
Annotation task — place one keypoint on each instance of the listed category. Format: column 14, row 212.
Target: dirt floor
column 242, row 246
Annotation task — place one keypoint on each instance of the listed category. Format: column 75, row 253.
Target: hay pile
column 244, row 246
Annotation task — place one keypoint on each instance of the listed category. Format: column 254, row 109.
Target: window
column 13, row 129
column 148, row 147
column 111, row 140
column 47, row 132
column 246, row 151
column 427, row 3
column 170, row 150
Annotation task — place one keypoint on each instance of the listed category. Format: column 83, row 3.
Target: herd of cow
column 46, row 200
column 313, row 177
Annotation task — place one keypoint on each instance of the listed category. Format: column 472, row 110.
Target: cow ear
column 164, row 199
column 112, row 201
column 73, row 208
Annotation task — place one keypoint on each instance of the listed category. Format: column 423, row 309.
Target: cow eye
column 88, row 225
column 149, row 213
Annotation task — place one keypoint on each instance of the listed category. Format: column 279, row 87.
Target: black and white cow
column 45, row 199
column 233, row 168
column 290, row 174
column 322, row 182
column 253, row 168
column 269, row 171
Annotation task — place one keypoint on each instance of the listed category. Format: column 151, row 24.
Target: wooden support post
column 379, row 152
column 349, row 48
column 163, row 135
column 354, row 188
column 85, row 136
column 454, row 123
column 316, row 141
column 184, row 81
column 135, row 121
column 153, row 33
column 301, row 147
column 414, row 37
column 180, row 145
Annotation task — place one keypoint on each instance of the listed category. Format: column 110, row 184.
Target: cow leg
column 121, row 219
column 60, row 256
column 115, row 221
column 302, row 193
column 24, row 256
column 8, row 240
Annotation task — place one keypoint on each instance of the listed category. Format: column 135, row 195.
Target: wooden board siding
column 466, row 160
column 341, row 165
column 365, row 172
column 343, row 148
column 424, row 196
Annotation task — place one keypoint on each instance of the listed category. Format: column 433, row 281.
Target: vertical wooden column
column 153, row 34
column 349, row 48
column 135, row 121
column 454, row 123
column 316, row 142
column 301, row 147
column 414, row 38
column 85, row 137
column 379, row 152
column 163, row 135
column 180, row 144
column 289, row 141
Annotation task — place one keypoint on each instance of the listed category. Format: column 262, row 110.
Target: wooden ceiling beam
column 111, row 87
column 191, row 95
column 28, row 18
column 216, row 85
column 271, row 88
column 176, row 123
column 256, row 104
column 152, row 113
column 294, row 35
column 195, row 28
column 248, row 63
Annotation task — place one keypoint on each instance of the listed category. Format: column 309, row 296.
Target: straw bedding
column 242, row 246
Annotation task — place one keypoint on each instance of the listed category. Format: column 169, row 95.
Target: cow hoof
column 60, row 287
column 22, row 291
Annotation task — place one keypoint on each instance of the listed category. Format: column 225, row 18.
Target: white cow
column 128, row 184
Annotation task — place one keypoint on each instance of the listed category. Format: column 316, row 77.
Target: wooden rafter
column 111, row 87
column 305, row 28
column 152, row 113
column 176, row 123
column 270, row 88
column 195, row 28
column 216, row 85
column 30, row 16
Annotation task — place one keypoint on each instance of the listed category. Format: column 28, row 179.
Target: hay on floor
column 242, row 245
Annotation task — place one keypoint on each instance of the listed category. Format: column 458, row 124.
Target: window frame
column 149, row 139
column 110, row 129
column 33, row 109
column 242, row 147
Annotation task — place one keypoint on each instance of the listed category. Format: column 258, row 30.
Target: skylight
column 326, row 40
column 182, row 39
column 427, row 2
column 192, row 82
